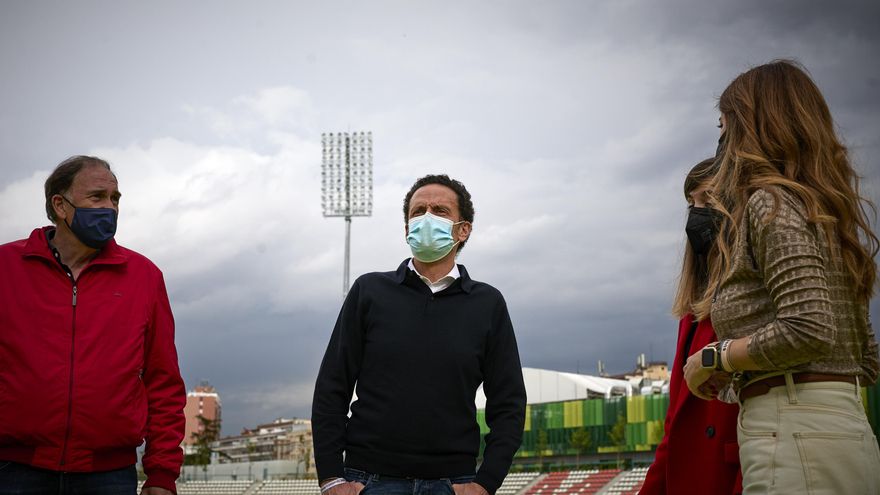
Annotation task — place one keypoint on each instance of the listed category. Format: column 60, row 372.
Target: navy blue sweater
column 417, row 359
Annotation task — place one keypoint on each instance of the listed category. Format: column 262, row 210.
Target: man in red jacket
column 88, row 366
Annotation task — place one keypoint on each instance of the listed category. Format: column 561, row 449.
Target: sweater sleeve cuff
column 163, row 479
column 487, row 482
column 329, row 467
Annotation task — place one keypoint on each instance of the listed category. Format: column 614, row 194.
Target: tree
column 580, row 441
column 541, row 445
column 208, row 433
column 617, row 435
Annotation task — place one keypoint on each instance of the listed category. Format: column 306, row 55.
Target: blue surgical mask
column 94, row 227
column 430, row 237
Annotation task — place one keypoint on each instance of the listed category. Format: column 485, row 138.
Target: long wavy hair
column 694, row 268
column 779, row 134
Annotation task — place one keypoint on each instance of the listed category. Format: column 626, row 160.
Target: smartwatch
column 710, row 357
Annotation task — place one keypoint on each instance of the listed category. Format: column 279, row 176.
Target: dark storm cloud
column 572, row 123
column 283, row 350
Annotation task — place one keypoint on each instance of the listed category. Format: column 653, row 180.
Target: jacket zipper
column 70, row 383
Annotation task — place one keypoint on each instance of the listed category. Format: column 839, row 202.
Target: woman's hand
column 704, row 383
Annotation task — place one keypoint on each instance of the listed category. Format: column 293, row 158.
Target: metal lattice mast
column 347, row 182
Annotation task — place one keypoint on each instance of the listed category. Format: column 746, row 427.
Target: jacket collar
column 37, row 245
column 464, row 280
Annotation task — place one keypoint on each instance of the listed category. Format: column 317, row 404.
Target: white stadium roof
column 555, row 386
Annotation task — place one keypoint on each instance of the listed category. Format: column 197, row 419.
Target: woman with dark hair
column 698, row 453
column 788, row 291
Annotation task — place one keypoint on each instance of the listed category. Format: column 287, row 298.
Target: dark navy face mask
column 94, row 227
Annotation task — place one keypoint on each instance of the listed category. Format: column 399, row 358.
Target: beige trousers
column 809, row 438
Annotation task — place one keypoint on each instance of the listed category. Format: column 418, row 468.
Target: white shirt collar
column 440, row 284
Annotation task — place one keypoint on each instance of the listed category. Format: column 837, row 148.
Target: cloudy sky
column 572, row 123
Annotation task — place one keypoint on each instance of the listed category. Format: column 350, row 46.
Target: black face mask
column 701, row 229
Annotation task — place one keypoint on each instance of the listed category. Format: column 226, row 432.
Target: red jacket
column 698, row 454
column 88, row 371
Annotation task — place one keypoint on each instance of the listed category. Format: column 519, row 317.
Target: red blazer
column 698, row 454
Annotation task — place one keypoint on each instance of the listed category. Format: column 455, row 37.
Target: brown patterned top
column 791, row 292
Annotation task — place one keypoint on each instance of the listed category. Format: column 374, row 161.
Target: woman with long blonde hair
column 788, row 291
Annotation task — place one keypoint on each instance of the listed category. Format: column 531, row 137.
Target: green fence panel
column 654, row 406
column 555, row 415
column 528, row 425
column 547, row 417
column 630, row 435
column 635, row 409
column 537, row 416
column 529, row 440
column 662, row 406
column 872, row 406
column 636, row 434
column 574, row 413
column 601, row 435
column 559, row 441
column 481, row 420
column 650, row 407
column 614, row 407
column 594, row 414
column 655, row 432
column 643, row 415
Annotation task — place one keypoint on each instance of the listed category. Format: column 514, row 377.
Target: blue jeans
column 21, row 479
column 376, row 484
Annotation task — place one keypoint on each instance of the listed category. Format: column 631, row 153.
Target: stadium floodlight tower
column 347, row 182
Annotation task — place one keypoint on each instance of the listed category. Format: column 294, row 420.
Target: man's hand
column 348, row 488
column 155, row 490
column 469, row 489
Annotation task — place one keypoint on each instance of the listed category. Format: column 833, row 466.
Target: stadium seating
column 578, row 482
column 213, row 487
column 515, row 482
column 630, row 483
column 289, row 487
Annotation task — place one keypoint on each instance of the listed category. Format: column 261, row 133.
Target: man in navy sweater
column 418, row 342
